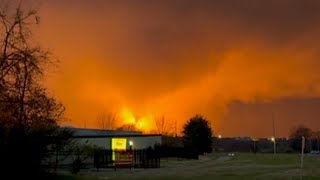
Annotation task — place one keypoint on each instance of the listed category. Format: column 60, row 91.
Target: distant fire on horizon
column 235, row 62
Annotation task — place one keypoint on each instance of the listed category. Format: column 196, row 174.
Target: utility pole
column 318, row 140
column 302, row 153
column 175, row 128
column 274, row 135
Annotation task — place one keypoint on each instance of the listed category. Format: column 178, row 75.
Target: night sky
column 240, row 63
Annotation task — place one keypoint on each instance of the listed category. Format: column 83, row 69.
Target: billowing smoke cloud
column 178, row 58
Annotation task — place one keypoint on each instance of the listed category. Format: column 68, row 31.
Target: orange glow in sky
column 144, row 60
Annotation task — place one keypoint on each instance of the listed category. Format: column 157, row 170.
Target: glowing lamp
column 272, row 139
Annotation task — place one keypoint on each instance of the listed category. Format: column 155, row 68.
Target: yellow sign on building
column 118, row 144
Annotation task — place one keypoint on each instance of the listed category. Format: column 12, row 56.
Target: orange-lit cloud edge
column 137, row 62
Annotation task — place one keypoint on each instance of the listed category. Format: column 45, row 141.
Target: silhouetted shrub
column 77, row 164
column 197, row 135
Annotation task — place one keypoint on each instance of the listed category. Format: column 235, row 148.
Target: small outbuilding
column 116, row 139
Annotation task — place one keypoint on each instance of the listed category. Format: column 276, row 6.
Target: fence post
column 302, row 153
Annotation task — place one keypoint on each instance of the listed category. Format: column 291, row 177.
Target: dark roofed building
column 100, row 132
column 104, row 138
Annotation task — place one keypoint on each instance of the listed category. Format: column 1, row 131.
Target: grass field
column 218, row 166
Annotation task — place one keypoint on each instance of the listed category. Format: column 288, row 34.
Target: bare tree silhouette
column 163, row 126
column 296, row 133
column 127, row 127
column 28, row 115
column 107, row 121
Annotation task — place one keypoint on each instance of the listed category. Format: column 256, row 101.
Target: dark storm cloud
column 182, row 57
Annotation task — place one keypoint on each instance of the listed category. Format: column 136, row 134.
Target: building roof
column 119, row 136
column 79, row 132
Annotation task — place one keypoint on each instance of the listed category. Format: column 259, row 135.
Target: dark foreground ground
column 216, row 166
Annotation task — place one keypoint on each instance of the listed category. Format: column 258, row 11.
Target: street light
column 254, row 144
column 273, row 139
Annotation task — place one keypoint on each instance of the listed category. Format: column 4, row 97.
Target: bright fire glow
column 144, row 123
column 127, row 117
column 196, row 62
